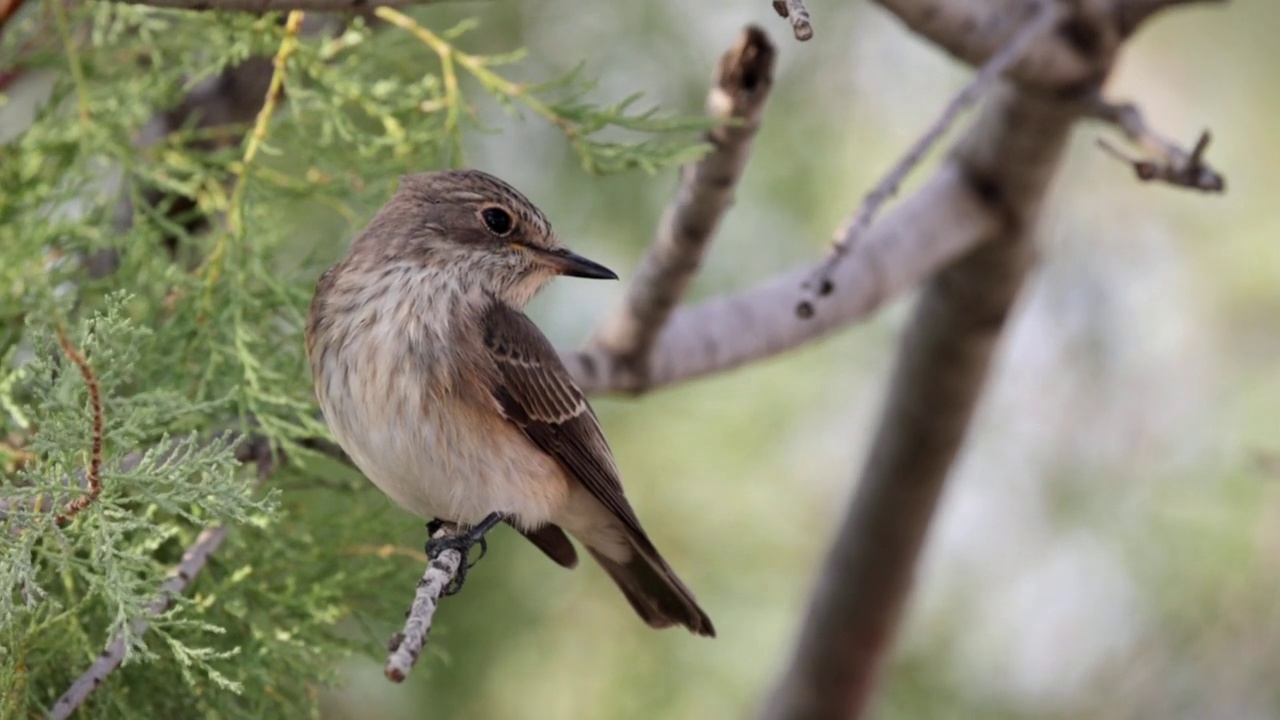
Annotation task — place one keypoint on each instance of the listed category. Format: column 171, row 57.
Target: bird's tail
column 653, row 589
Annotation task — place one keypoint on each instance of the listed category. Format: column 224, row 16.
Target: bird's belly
column 449, row 458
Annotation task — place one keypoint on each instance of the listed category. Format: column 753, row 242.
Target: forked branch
column 737, row 99
column 820, row 284
column 1168, row 162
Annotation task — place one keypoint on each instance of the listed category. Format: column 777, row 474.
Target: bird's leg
column 462, row 542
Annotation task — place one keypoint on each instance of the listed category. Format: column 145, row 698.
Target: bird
column 455, row 405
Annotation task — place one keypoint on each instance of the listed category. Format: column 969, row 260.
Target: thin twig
column 193, row 561
column 798, row 14
column 93, row 473
column 405, row 647
column 1047, row 15
column 1169, row 163
column 741, row 86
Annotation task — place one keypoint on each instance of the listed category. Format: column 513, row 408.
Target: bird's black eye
column 497, row 220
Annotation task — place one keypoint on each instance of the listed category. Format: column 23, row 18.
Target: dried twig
column 405, row 647
column 93, row 473
column 798, row 14
column 741, row 86
column 1047, row 15
column 193, row 561
column 1169, row 163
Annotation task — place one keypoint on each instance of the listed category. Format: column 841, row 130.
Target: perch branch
column 798, row 14
column 820, row 284
column 193, row 561
column 1169, row 163
column 741, row 86
column 942, row 364
column 405, row 647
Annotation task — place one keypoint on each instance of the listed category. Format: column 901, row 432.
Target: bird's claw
column 435, row 546
column 462, row 542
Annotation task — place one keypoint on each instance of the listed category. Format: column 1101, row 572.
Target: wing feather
column 535, row 392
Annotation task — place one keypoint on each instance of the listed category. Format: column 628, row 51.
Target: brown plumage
column 453, row 402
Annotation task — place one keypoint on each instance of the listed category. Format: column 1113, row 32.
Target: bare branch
column 193, row 561
column 1170, row 163
column 405, row 647
column 798, row 14
column 938, row 223
column 974, row 31
column 941, row 368
column 942, row 221
column 743, row 80
column 1047, row 16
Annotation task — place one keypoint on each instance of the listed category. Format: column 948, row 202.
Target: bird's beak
column 566, row 262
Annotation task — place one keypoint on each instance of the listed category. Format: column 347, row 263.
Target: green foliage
column 207, row 343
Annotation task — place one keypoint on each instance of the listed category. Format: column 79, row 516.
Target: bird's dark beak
column 565, row 262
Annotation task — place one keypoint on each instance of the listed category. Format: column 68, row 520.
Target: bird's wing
column 534, row 391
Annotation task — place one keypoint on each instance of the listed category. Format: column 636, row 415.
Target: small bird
column 454, row 403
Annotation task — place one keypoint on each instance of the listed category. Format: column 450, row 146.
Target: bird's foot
column 462, row 542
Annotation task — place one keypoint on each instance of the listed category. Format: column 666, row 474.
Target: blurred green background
column 1109, row 544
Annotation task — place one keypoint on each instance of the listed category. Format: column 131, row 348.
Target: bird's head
column 474, row 222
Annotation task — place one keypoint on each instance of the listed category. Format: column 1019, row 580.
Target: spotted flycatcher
column 453, row 402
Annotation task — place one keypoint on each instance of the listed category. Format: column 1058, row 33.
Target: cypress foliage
column 195, row 339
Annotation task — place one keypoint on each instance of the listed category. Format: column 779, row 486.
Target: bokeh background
column 1109, row 543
